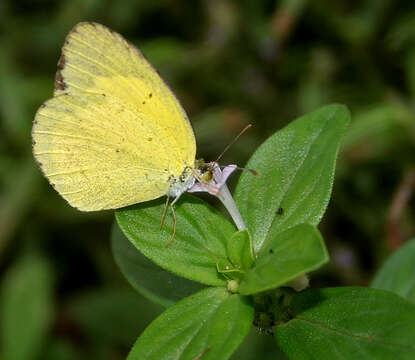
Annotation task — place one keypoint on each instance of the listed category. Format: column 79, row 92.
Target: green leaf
column 376, row 128
column 348, row 323
column 240, row 250
column 26, row 309
column 258, row 346
column 209, row 325
column 296, row 169
column 149, row 279
column 229, row 271
column 61, row 349
column 410, row 71
column 398, row 272
column 112, row 315
column 200, row 242
column 284, row 257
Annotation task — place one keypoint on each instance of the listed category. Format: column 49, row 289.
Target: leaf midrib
column 347, row 334
column 295, row 173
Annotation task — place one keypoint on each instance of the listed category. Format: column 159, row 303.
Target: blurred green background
column 230, row 63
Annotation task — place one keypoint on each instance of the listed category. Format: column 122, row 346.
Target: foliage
column 397, row 274
column 246, row 275
column 26, row 308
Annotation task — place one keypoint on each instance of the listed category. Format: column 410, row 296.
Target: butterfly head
column 181, row 184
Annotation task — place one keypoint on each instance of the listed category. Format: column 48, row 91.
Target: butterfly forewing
column 114, row 134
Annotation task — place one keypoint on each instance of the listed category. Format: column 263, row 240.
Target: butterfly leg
column 175, row 219
column 164, row 212
column 174, row 226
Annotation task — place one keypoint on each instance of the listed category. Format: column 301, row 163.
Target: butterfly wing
column 113, row 134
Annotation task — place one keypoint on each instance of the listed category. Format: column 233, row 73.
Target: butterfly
column 114, row 134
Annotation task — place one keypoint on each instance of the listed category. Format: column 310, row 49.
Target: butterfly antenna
column 233, row 142
column 164, row 211
column 252, row 171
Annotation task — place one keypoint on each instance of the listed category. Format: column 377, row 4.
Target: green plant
column 248, row 275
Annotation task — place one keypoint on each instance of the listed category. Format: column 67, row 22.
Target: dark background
column 230, row 63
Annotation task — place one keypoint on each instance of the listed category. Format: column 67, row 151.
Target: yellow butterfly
column 113, row 134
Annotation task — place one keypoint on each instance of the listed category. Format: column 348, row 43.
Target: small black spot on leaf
column 150, row 95
column 271, row 251
column 280, row 211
